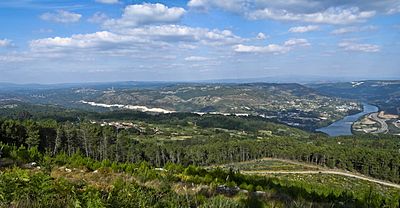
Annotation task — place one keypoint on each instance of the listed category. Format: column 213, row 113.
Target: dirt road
column 320, row 170
column 325, row 172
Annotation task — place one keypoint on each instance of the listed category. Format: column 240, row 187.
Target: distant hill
column 383, row 93
column 293, row 104
column 289, row 103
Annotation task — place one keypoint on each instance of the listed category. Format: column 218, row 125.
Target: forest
column 161, row 141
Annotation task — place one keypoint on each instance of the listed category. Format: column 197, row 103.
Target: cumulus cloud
column 314, row 11
column 108, row 1
column 303, row 29
column 272, row 48
column 144, row 14
column 5, row 43
column 351, row 46
column 102, row 42
column 136, row 39
column 179, row 33
column 61, row 16
column 353, row 29
column 334, row 15
column 296, row 6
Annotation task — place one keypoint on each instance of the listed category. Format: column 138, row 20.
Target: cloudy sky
column 53, row 41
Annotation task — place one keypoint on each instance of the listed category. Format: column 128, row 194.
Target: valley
column 199, row 104
column 247, row 145
column 291, row 104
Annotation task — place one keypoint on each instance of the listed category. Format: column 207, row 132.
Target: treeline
column 378, row 158
column 78, row 181
column 24, row 111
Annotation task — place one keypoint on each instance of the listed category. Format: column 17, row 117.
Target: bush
column 222, row 202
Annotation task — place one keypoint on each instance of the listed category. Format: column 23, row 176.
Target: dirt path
column 325, row 172
column 320, row 170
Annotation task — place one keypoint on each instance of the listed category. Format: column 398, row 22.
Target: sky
column 64, row 41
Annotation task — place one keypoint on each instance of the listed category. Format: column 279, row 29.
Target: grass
column 337, row 183
column 269, row 165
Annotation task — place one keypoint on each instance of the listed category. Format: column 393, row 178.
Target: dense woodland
column 27, row 137
column 376, row 156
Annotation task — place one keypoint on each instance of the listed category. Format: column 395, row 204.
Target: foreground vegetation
column 77, row 181
column 155, row 162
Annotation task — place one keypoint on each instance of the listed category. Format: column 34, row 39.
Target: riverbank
column 343, row 127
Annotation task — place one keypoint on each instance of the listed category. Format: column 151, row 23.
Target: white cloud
column 108, row 1
column 393, row 10
column 297, row 6
column 313, row 11
column 303, row 29
column 351, row 46
column 197, row 3
column 196, row 58
column 297, row 42
column 5, row 43
column 98, row 17
column 61, row 16
column 143, row 14
column 171, row 37
column 345, row 30
column 100, row 41
column 178, row 33
column 261, row 36
column 272, row 48
column 333, row 15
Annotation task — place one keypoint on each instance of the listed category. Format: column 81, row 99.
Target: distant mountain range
column 308, row 106
column 300, row 79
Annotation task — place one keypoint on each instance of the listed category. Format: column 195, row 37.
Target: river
column 343, row 126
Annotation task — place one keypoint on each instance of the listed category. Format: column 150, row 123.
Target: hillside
column 292, row 104
column 56, row 157
column 384, row 94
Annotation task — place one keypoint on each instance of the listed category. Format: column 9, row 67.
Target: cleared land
column 271, row 166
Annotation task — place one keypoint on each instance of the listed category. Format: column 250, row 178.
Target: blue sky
column 54, row 41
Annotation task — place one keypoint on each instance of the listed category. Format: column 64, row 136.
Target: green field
column 269, row 165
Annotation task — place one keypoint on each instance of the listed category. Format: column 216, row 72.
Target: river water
column 343, row 126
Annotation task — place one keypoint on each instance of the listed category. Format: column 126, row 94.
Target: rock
column 230, row 191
